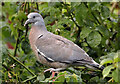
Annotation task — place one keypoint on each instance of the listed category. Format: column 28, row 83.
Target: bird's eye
column 33, row 16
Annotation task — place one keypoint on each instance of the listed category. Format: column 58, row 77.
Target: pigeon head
column 34, row 18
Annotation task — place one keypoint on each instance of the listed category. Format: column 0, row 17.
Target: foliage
column 112, row 60
column 91, row 25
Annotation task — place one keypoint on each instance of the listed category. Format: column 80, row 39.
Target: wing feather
column 60, row 49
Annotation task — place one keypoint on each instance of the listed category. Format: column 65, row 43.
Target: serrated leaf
column 107, row 70
column 94, row 39
column 105, row 61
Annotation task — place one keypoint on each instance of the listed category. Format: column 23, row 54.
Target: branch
column 113, row 6
column 29, row 79
column 17, row 42
column 26, row 31
column 74, row 20
column 37, row 6
column 28, row 8
column 8, row 69
column 25, row 7
column 79, row 27
column 21, row 64
column 92, row 14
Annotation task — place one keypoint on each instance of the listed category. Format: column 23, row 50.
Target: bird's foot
column 53, row 70
column 50, row 69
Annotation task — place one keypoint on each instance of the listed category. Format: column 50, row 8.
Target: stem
column 8, row 69
column 29, row 79
column 21, row 64
column 113, row 7
column 25, row 7
column 37, row 6
column 111, row 80
column 28, row 8
column 17, row 42
column 74, row 20
column 26, row 31
column 92, row 13
column 59, row 76
column 79, row 27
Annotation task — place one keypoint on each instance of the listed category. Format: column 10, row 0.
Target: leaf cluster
column 91, row 25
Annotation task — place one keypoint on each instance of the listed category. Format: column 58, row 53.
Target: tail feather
column 95, row 65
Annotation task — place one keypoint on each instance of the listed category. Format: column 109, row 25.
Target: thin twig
column 79, row 27
column 92, row 13
column 28, row 8
column 29, row 79
column 37, row 6
column 74, row 20
column 111, row 80
column 25, row 7
column 8, row 69
column 27, row 24
column 17, row 42
column 26, row 31
column 59, row 76
column 21, row 64
column 113, row 6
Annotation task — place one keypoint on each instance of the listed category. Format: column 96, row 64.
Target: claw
column 50, row 69
column 53, row 70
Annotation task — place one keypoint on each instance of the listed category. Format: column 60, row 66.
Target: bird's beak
column 28, row 21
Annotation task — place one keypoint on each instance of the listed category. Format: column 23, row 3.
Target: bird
column 53, row 50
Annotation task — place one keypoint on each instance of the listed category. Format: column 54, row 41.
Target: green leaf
column 107, row 70
column 105, row 11
column 94, row 79
column 94, row 39
column 74, row 4
column 104, row 31
column 67, row 78
column 81, row 13
column 61, row 76
column 105, row 61
column 117, row 57
column 21, row 16
column 95, row 6
column 85, row 32
column 25, row 47
column 40, row 77
column 74, row 78
column 116, row 74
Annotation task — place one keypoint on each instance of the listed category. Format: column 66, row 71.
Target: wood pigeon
column 53, row 50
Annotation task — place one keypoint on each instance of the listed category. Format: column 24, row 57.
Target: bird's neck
column 40, row 25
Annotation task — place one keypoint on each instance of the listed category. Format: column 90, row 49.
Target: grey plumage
column 56, row 49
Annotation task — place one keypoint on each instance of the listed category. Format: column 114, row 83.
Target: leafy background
column 94, row 26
